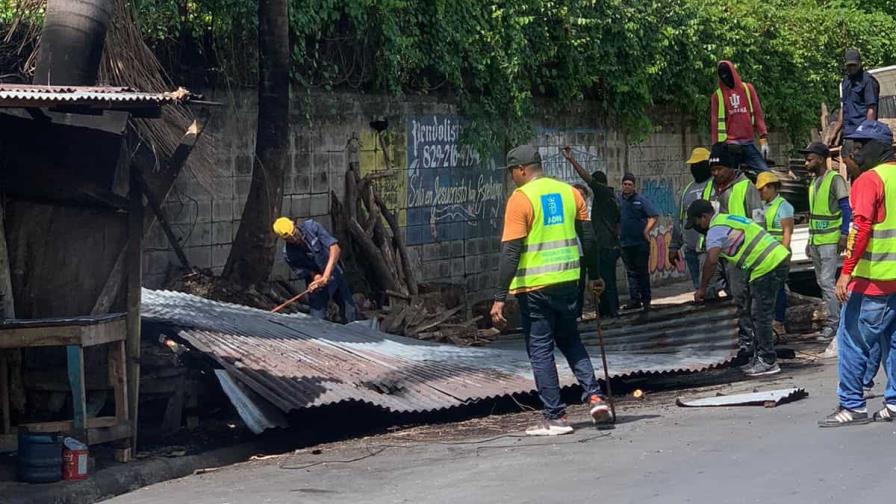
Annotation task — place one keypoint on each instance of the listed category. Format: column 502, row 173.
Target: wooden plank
column 67, row 426
column 107, row 332
column 175, row 165
column 162, row 219
column 118, row 378
column 134, row 272
column 4, row 395
column 102, row 435
column 83, row 335
column 27, row 337
column 75, row 360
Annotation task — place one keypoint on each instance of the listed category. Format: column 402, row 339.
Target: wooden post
column 118, row 379
column 8, row 312
column 4, row 395
column 75, row 359
column 134, row 272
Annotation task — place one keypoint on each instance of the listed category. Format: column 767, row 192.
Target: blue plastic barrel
column 39, row 457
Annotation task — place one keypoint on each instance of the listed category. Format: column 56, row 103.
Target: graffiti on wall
column 659, row 265
column 386, row 152
column 586, row 145
column 660, row 192
column 453, row 192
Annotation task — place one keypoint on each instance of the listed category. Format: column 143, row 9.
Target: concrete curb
column 123, row 478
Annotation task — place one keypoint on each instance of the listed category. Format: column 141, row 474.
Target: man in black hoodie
column 605, row 219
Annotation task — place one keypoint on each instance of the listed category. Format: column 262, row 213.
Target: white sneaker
column 831, row 351
column 555, row 427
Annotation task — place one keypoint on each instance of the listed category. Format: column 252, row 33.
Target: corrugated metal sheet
column 17, row 95
column 298, row 362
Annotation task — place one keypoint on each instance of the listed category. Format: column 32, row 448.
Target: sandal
column 885, row 415
column 843, row 417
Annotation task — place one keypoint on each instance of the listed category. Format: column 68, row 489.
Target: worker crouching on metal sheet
column 540, row 265
column 313, row 254
column 764, row 261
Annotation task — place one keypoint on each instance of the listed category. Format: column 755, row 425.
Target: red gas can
column 74, row 459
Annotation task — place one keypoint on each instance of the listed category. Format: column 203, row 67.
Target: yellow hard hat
column 284, row 226
column 698, row 155
column 765, row 178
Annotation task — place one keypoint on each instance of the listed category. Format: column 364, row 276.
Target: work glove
column 763, row 147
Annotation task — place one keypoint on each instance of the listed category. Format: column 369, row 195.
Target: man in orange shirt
column 543, row 223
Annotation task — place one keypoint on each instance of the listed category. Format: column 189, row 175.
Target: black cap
column 599, row 177
column 816, row 148
column 522, row 156
column 628, row 176
column 698, row 208
column 720, row 155
column 852, row 57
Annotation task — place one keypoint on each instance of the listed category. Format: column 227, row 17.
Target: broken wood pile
column 439, row 324
column 205, row 284
column 372, row 232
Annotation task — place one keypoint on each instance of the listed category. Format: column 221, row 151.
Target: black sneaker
column 633, row 305
column 843, row 417
column 886, row 414
column 762, row 368
column 743, row 358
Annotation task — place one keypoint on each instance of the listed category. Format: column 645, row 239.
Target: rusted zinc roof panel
column 297, row 362
column 33, row 96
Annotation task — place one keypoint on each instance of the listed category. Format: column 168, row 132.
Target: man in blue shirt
column 637, row 218
column 313, row 254
column 859, row 92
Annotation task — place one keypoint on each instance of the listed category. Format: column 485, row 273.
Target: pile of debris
column 436, row 315
column 204, row 283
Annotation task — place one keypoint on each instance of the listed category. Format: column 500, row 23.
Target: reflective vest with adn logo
column 770, row 213
column 550, row 251
column 758, row 253
column 720, row 125
column 879, row 260
column 824, row 222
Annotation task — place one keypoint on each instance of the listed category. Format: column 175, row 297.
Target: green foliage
column 495, row 58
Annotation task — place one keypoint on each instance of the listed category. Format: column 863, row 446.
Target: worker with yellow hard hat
column 313, row 254
column 688, row 242
column 778, row 214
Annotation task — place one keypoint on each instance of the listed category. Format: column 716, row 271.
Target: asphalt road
column 660, row 453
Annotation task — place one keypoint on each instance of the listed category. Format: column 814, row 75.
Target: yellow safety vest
column 550, row 252
column 770, row 213
column 824, row 222
column 720, row 125
column 759, row 253
column 879, row 260
column 737, row 200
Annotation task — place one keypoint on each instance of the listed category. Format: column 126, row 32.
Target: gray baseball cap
column 523, row 155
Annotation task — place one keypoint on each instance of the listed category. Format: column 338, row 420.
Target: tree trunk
column 252, row 255
column 71, row 42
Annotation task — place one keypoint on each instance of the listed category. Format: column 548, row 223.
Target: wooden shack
column 71, row 227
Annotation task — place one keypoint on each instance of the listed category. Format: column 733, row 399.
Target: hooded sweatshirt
column 738, row 122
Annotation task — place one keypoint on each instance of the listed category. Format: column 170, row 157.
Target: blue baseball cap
column 872, row 130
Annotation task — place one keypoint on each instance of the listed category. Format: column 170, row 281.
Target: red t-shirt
column 868, row 207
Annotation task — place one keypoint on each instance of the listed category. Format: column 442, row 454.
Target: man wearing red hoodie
column 736, row 118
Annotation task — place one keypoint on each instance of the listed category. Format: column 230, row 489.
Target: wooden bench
column 75, row 334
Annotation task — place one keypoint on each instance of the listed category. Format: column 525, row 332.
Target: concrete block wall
column 449, row 201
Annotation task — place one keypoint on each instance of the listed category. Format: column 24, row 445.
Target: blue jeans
column 864, row 322
column 692, row 260
column 337, row 290
column 879, row 353
column 750, row 156
column 549, row 318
